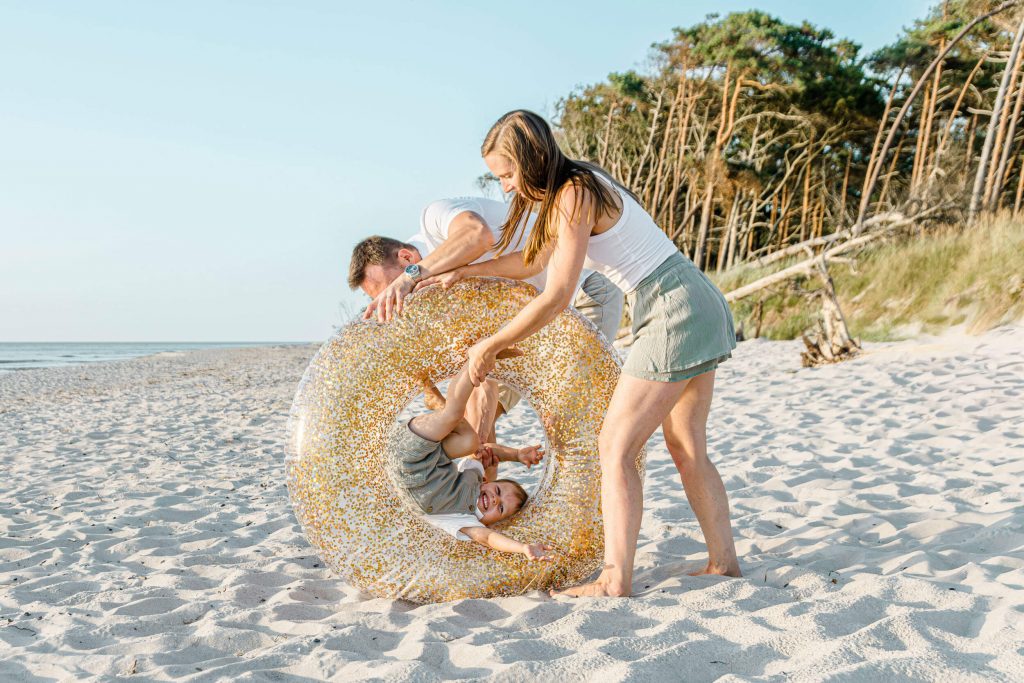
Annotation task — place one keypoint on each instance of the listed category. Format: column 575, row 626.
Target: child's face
column 497, row 501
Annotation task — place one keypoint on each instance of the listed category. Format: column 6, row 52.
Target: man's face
column 379, row 277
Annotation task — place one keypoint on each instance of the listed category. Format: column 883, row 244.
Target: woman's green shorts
column 682, row 325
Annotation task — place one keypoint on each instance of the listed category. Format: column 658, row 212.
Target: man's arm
column 509, row 266
column 469, row 238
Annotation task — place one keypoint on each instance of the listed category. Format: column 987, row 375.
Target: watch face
column 412, row 270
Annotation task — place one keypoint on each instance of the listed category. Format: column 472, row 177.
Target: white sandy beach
column 878, row 506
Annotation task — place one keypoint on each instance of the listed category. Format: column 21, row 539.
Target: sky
column 200, row 171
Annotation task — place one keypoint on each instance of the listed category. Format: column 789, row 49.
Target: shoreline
column 878, row 508
column 89, row 353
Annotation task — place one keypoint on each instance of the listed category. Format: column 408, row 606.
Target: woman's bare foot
column 717, row 570
column 604, row 587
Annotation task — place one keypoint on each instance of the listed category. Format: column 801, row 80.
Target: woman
column 682, row 329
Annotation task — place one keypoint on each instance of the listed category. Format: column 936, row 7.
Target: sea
column 29, row 355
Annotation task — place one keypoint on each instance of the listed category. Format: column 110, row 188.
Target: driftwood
column 831, row 341
column 802, row 268
column 882, row 224
column 891, row 219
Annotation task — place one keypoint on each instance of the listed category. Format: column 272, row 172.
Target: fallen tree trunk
column 893, row 218
column 801, row 268
column 889, row 220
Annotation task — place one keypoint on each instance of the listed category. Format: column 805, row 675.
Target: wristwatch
column 413, row 271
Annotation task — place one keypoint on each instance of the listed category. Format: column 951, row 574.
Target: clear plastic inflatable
column 362, row 379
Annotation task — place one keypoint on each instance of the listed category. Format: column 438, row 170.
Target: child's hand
column 530, row 456
column 485, row 454
column 538, row 551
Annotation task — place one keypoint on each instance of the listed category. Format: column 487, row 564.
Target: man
column 453, row 233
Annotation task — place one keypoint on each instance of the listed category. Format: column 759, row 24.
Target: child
column 429, row 458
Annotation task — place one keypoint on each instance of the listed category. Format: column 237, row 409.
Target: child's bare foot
column 718, row 570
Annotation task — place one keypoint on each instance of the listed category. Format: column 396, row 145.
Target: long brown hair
column 527, row 141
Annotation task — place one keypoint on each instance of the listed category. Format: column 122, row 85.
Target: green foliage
column 808, row 67
column 750, row 134
column 926, row 282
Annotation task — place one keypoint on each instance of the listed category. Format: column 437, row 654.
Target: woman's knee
column 687, row 449
column 617, row 448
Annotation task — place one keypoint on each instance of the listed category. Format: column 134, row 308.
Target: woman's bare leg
column 637, row 407
column 686, row 437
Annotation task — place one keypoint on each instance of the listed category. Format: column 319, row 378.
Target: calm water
column 22, row 356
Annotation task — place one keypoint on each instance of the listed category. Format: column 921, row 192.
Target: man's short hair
column 373, row 251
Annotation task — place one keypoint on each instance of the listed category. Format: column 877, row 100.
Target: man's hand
column 530, row 455
column 538, row 551
column 389, row 303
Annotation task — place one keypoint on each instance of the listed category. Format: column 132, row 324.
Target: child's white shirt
column 452, row 523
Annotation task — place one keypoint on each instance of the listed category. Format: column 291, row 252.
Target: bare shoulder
column 575, row 203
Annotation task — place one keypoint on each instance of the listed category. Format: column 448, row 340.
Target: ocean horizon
column 33, row 355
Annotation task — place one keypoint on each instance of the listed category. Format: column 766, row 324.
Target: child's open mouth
column 485, row 502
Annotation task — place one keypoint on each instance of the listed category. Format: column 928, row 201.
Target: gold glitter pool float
column 364, row 376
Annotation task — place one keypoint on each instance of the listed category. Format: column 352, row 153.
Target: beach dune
column 877, row 505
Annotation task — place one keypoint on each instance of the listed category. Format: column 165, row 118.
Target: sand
column 877, row 504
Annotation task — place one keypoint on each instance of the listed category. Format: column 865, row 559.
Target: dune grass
column 922, row 283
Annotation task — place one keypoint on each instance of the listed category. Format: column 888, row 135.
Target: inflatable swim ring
column 361, row 380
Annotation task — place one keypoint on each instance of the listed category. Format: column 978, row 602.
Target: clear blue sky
column 199, row 171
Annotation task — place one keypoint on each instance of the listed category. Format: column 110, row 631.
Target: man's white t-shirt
column 437, row 217
column 451, row 523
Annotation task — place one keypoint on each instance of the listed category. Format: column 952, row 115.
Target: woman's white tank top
column 631, row 249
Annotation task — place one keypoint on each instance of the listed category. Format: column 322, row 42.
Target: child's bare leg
column 437, row 425
column 432, row 396
column 482, row 412
column 462, row 441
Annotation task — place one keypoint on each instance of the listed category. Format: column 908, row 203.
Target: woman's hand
column 446, row 280
column 530, row 456
column 538, row 551
column 481, row 361
column 389, row 303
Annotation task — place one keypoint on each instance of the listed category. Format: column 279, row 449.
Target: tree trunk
column 705, row 222
column 979, row 179
column 941, row 147
column 1002, row 173
column 1004, row 119
column 1020, row 188
column 972, row 133
column 846, row 189
column 873, row 176
column 728, row 248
